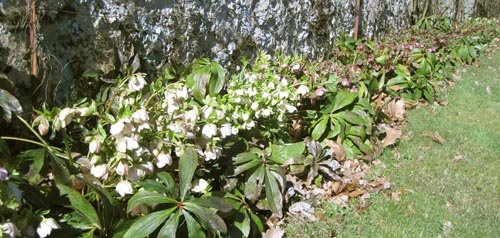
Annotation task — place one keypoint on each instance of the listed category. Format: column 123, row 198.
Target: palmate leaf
column 194, row 228
column 350, row 117
column 215, row 202
column 37, row 158
column 169, row 182
column 245, row 157
column 207, row 216
column 170, row 227
column 242, row 222
column 144, row 197
column 343, row 99
column 148, row 224
column 320, row 128
column 216, row 83
column 187, row 166
column 61, row 173
column 107, row 201
column 247, row 166
column 283, row 153
column 253, row 186
column 274, row 194
column 81, row 205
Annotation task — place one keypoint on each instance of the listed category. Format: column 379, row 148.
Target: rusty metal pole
column 32, row 38
column 356, row 20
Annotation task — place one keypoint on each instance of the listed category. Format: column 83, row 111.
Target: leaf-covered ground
column 445, row 172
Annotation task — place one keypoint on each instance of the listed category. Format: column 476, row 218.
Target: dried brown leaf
column 337, row 148
column 436, row 137
column 459, row 157
column 396, row 110
column 391, row 136
column 356, row 193
column 273, row 233
column 396, row 196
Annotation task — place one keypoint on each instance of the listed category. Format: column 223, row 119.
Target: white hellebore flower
column 136, row 82
column 191, row 115
column 140, row 115
column 182, row 94
column 121, row 169
column 4, row 174
column 65, row 116
column 266, row 112
column 46, row 226
column 124, row 187
column 163, row 159
column 10, row 230
column 226, row 130
column 126, row 143
column 200, row 186
column 303, row 90
column 209, row 130
column 117, row 128
column 99, row 171
column 94, row 146
column 290, row 109
column 210, row 155
column 207, row 112
column 245, row 116
column 254, row 106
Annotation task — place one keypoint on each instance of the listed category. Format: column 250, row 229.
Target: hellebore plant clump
column 200, row 154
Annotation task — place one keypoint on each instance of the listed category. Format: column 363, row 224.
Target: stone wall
column 108, row 34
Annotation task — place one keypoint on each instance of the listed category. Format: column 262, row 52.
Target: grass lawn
column 447, row 190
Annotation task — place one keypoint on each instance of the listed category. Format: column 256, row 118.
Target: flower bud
column 123, row 188
column 43, row 129
column 94, row 147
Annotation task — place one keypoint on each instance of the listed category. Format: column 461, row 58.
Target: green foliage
column 202, row 154
column 205, row 77
column 196, row 213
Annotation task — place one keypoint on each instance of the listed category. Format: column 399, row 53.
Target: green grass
column 436, row 189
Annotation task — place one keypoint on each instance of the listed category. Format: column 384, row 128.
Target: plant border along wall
column 198, row 153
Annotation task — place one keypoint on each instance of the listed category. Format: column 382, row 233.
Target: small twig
column 32, row 38
column 356, row 20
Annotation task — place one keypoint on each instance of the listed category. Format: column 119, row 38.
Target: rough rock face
column 108, row 34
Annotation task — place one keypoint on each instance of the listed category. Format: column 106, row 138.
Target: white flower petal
column 163, row 159
column 46, row 226
column 302, row 90
column 209, row 130
column 117, row 128
column 121, row 169
column 99, row 170
column 200, row 186
column 124, row 187
column 226, row 130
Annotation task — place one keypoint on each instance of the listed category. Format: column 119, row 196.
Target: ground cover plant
column 201, row 153
column 443, row 172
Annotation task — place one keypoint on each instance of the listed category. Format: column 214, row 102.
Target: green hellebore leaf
column 343, row 99
column 208, row 216
column 320, row 128
column 194, row 228
column 187, row 166
column 283, row 153
column 144, row 197
column 81, row 205
column 148, row 224
column 273, row 193
column 170, row 228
